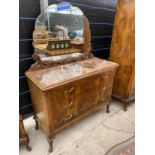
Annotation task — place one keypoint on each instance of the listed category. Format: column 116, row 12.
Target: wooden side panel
column 106, row 84
column 123, row 47
column 39, row 104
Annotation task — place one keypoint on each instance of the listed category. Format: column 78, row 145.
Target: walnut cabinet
column 62, row 96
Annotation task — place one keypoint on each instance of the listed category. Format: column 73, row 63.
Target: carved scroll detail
column 46, row 64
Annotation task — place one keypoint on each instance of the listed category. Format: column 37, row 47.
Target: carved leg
column 36, row 121
column 50, row 139
column 26, row 143
column 23, row 137
column 28, row 147
column 125, row 106
column 108, row 111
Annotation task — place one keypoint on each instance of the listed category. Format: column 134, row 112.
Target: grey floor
column 94, row 135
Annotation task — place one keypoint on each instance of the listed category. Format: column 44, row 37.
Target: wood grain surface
column 123, row 50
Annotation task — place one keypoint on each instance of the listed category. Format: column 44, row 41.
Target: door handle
column 68, row 105
column 70, row 90
column 68, row 118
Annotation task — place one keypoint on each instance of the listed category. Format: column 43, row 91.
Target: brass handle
column 69, row 117
column 68, row 91
column 68, row 104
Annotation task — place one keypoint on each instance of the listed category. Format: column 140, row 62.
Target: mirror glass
column 62, row 21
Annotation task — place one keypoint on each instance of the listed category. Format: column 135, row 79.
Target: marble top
column 53, row 76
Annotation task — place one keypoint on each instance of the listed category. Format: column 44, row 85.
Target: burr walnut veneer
column 123, row 51
column 64, row 94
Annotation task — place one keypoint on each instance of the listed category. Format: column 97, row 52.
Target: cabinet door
column 88, row 93
column 106, row 84
column 63, row 103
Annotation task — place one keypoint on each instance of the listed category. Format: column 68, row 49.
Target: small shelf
column 62, row 51
column 42, row 48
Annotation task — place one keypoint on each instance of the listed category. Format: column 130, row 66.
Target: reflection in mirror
column 60, row 22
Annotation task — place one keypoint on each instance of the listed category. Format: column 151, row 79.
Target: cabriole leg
column 36, row 121
column 125, row 106
column 28, row 147
column 26, row 143
column 50, row 139
column 108, row 106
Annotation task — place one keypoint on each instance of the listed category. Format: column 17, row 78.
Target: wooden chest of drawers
column 65, row 94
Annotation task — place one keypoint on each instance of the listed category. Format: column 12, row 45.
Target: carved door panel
column 64, row 103
column 88, row 93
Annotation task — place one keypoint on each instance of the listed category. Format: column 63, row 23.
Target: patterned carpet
column 125, row 148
